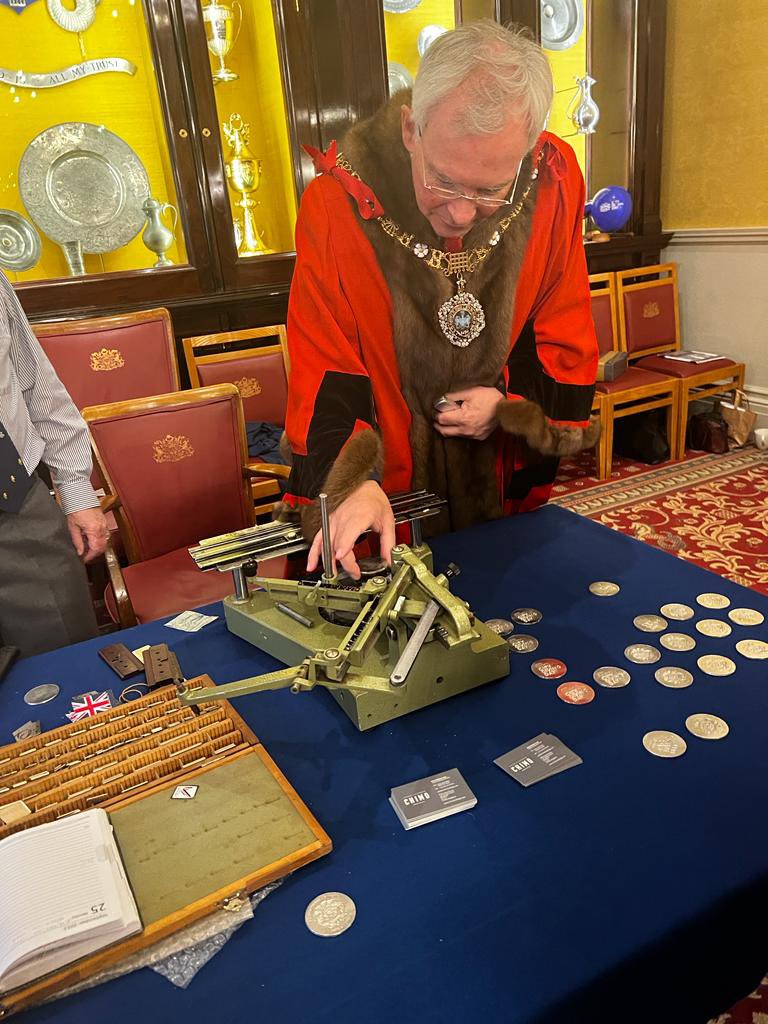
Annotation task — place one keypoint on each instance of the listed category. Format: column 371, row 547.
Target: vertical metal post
column 416, row 536
column 325, row 521
column 241, row 586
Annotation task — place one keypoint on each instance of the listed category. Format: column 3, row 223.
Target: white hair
column 508, row 75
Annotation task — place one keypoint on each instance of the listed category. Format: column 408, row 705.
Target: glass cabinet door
column 248, row 148
column 90, row 181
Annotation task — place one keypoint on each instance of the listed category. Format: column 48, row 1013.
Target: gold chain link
column 448, row 263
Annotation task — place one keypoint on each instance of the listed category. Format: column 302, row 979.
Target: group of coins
column 662, row 743
column 521, row 643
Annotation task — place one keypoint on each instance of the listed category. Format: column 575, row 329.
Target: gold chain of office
column 448, row 263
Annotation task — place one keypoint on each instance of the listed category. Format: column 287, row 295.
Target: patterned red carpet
column 710, row 509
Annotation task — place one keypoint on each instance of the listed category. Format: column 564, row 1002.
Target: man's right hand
column 365, row 509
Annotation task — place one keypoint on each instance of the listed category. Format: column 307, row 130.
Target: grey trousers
column 44, row 598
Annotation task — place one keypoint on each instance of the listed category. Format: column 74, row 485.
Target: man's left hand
column 475, row 417
column 89, row 532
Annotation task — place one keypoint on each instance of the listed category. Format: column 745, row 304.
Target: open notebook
column 63, row 894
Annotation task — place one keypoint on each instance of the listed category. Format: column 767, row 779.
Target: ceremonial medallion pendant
column 461, row 317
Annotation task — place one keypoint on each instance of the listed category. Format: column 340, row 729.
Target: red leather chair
column 256, row 362
column 113, row 358
column 649, row 320
column 175, row 471
column 636, row 390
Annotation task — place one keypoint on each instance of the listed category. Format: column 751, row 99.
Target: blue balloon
column 610, row 208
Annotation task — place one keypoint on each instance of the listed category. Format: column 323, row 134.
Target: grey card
column 432, row 797
column 537, row 759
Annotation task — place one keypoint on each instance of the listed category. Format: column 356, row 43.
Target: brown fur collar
column 527, row 420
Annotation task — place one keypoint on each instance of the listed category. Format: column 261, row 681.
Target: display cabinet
column 154, row 148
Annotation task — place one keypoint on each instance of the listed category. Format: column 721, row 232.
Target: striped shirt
column 36, row 411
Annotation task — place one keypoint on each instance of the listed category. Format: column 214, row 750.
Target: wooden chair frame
column 106, row 323
column 260, row 489
column 690, row 389
column 95, row 413
column 613, row 406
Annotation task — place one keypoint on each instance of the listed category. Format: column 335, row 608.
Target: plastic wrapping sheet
column 180, row 956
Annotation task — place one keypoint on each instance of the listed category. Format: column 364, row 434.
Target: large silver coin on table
column 650, row 623
column 713, row 600
column 707, row 727
column 661, row 743
column 604, row 588
column 677, row 641
column 746, row 616
column 713, row 627
column 330, row 914
column 677, row 611
column 84, row 186
column 500, row 626
column 611, row 676
column 522, row 643
column 562, row 22
column 674, row 678
column 526, row 616
column 755, row 649
column 19, row 242
column 642, row 654
column 41, row 694
column 716, row 665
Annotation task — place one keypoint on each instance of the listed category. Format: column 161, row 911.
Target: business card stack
column 537, row 759
column 436, row 796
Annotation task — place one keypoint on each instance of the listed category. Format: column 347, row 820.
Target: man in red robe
column 439, row 324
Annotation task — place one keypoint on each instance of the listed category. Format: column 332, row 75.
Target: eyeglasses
column 448, row 193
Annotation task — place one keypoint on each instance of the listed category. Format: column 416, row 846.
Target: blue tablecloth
column 625, row 889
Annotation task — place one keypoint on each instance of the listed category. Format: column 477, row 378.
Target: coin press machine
column 392, row 642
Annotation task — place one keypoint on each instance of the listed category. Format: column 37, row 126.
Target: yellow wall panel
column 715, row 144
column 126, row 105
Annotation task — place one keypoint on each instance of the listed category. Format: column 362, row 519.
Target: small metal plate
column 20, row 244
column 562, row 22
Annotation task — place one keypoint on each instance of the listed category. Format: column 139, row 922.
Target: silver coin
column 661, row 743
column 677, row 641
column 713, row 600
column 330, row 914
column 650, row 623
column 716, row 665
column 755, row 649
column 713, row 627
column 526, row 616
column 604, row 588
column 41, row 694
column 500, row 626
column 674, row 678
column 642, row 654
column 522, row 643
column 746, row 616
column 677, row 611
column 611, row 676
column 707, row 727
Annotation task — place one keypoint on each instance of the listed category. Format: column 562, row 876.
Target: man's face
column 476, row 165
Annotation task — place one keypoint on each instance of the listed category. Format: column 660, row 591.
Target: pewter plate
column 400, row 6
column 19, row 242
column 82, row 183
column 562, row 22
column 398, row 77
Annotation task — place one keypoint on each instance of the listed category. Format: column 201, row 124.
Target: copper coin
column 575, row 693
column 549, row 668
